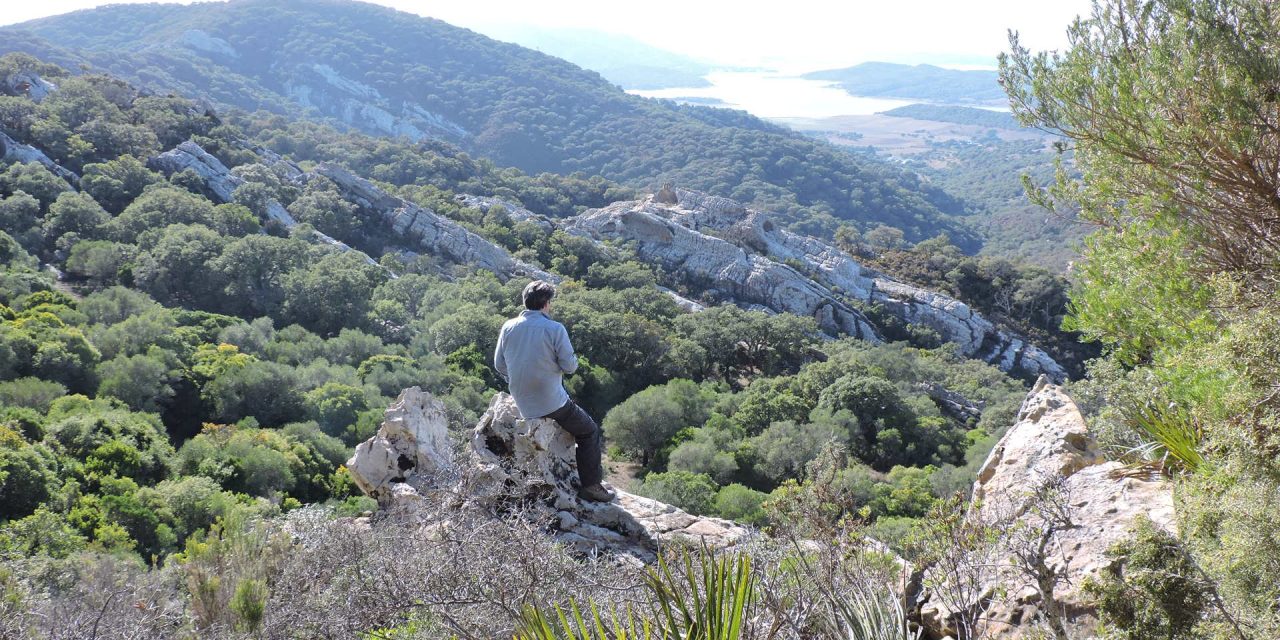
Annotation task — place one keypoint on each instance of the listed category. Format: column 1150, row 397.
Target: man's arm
column 564, row 351
column 499, row 358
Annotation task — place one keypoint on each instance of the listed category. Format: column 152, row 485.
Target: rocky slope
column 418, row 226
column 714, row 245
column 1049, row 492
column 395, row 74
column 737, row 254
column 515, row 465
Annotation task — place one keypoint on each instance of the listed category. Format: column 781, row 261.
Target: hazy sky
column 791, row 35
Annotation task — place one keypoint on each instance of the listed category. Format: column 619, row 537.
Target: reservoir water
column 769, row 94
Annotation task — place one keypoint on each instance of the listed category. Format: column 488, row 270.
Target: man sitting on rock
column 533, row 355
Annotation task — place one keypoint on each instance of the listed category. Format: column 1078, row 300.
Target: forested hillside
column 169, row 358
column 203, row 309
column 398, row 74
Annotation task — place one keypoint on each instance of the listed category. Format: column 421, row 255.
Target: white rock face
column 530, row 462
column 444, row 236
column 413, row 441
column 203, row 42
column 517, row 212
column 222, row 184
column 723, row 245
column 659, row 235
column 13, row 151
column 325, row 88
column 1051, row 444
column 30, row 84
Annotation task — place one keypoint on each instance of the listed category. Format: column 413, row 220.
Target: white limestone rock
column 443, row 236
column 30, row 84
column 413, row 442
column 13, row 151
column 219, row 180
column 746, row 277
column 515, row 462
column 202, row 42
column 724, row 245
column 1051, row 444
column 517, row 212
column 326, row 89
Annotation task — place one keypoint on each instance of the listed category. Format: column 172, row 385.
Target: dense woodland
column 196, row 359
column 195, row 379
column 518, row 107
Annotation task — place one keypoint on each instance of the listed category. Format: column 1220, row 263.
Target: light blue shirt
column 533, row 355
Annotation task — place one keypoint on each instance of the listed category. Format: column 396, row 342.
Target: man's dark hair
column 537, row 294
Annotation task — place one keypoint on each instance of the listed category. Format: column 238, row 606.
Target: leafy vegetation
column 512, row 105
column 1178, row 285
column 197, row 360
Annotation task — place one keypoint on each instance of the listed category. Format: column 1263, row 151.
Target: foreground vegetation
column 1169, row 109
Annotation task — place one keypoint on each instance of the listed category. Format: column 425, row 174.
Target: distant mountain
column 621, row 59
column 401, row 75
column 957, row 115
column 919, row 82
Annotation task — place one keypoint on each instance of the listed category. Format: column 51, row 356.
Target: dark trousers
column 573, row 419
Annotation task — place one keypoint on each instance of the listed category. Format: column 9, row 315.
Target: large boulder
column 411, row 445
column 1046, row 485
column 516, row 465
column 29, row 84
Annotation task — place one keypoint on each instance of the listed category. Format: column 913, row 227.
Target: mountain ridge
column 394, row 73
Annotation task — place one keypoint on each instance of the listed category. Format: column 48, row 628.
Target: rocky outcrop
column 517, row 212
column 327, row 90
column 202, row 42
column 657, row 234
column 13, row 151
column 1045, row 483
column 189, row 155
column 29, row 84
column 222, row 184
column 952, row 403
column 440, row 235
column 412, row 444
column 723, row 245
column 515, row 464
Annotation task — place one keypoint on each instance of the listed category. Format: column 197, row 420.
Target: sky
column 795, row 35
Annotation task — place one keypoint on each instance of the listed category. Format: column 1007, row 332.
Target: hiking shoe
column 596, row 493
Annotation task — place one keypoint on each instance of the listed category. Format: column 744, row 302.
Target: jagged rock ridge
column 442, row 236
column 222, row 184
column 719, row 244
column 515, row 461
column 13, row 151
column 712, row 263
